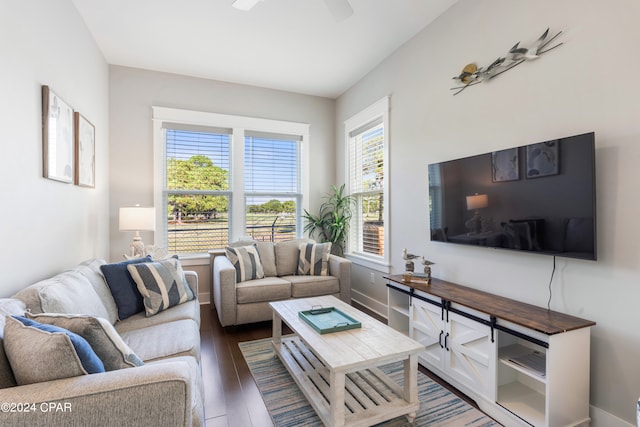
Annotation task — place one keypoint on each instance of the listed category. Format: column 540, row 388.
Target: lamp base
column 474, row 224
column 137, row 246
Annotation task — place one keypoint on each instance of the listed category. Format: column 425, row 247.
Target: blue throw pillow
column 123, row 288
column 88, row 358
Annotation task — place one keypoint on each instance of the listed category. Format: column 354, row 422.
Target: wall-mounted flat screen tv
column 538, row 198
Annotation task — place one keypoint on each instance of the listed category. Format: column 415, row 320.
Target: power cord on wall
column 550, row 282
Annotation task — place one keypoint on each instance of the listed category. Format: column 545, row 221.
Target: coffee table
column 338, row 372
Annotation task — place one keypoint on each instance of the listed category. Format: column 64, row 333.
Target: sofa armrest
column 341, row 268
column 192, row 280
column 149, row 395
column 224, row 290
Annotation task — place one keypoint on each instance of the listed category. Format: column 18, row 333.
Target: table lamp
column 137, row 218
column 477, row 201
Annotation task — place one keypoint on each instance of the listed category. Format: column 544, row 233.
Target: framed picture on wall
column 505, row 165
column 57, row 137
column 85, row 142
column 543, row 159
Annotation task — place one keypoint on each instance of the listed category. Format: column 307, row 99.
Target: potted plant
column 332, row 222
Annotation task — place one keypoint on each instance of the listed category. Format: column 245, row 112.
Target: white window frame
column 376, row 111
column 239, row 124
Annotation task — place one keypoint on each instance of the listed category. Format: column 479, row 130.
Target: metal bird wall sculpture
column 472, row 75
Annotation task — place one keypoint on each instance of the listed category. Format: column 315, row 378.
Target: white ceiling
column 292, row 45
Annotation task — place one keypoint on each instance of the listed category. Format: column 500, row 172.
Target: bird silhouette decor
column 427, row 268
column 472, row 75
column 408, row 258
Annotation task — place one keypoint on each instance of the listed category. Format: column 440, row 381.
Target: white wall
column 47, row 226
column 585, row 85
column 132, row 94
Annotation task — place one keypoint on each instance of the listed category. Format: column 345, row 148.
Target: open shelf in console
column 522, row 378
column 398, row 313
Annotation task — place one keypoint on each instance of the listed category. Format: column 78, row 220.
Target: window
column 219, row 178
column 272, row 186
column 367, row 142
column 196, row 188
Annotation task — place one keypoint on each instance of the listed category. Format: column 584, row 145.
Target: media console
column 522, row 364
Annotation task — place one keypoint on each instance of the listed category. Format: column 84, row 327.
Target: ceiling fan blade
column 245, row 4
column 340, row 9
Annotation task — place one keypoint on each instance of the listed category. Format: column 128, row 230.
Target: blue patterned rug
column 289, row 408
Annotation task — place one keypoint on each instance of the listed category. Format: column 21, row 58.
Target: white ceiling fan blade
column 245, row 4
column 340, row 9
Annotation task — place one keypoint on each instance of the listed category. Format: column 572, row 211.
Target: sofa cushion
column 267, row 289
column 188, row 310
column 123, row 288
column 267, row 253
column 311, row 286
column 161, row 283
column 7, row 379
column 91, row 270
column 246, row 261
column 39, row 353
column 68, row 292
column 8, row 307
column 179, row 338
column 314, row 259
column 100, row 334
column 287, row 253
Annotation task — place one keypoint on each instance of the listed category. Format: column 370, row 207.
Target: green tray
column 327, row 320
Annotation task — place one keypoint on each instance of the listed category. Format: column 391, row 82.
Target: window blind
column 366, row 172
column 197, row 160
column 271, row 164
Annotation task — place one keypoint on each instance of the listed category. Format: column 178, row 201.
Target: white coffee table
column 338, row 372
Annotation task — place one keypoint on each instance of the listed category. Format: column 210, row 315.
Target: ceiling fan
column 340, row 9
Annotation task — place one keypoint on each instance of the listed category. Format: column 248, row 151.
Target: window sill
column 194, row 259
column 372, row 263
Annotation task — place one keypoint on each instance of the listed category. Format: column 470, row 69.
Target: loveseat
column 269, row 272
column 152, row 372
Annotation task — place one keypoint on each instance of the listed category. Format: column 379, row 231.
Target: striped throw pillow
column 161, row 283
column 314, row 259
column 246, row 261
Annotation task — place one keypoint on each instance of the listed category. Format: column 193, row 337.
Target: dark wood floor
column 232, row 398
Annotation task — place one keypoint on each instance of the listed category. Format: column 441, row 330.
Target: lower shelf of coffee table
column 370, row 395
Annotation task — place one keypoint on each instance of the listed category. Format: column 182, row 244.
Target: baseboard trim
column 204, row 298
column 601, row 418
column 369, row 303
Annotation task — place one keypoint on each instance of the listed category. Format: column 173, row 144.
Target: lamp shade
column 137, row 218
column 477, row 202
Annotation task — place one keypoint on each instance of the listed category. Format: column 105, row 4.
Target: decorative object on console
column 476, row 202
column 408, row 265
column 57, row 137
column 85, row 153
column 427, row 269
column 472, row 75
column 137, row 218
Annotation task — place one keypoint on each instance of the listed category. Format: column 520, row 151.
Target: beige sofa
column 248, row 301
column 166, row 390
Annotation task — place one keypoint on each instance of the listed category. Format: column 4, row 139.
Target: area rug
column 288, row 406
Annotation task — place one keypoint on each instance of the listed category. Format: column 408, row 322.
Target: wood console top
column 530, row 316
